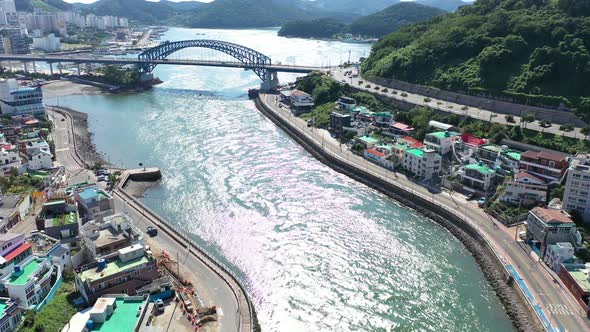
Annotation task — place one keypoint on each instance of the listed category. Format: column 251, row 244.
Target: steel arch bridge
column 252, row 59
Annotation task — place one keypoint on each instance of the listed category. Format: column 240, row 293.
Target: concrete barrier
column 522, row 315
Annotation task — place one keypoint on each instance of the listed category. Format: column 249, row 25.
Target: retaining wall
column 521, row 314
column 554, row 115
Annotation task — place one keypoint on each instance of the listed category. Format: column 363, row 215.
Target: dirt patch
column 55, row 89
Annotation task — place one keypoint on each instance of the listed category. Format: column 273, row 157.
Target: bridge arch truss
column 253, row 60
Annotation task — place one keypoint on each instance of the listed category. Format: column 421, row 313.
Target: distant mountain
column 184, row 5
column 246, row 14
column 392, row 18
column 377, row 25
column 138, row 10
column 446, row 5
column 47, row 5
column 318, row 28
column 358, row 7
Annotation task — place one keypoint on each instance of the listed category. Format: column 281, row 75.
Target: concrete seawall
column 515, row 304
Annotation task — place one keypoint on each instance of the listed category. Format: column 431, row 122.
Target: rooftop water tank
column 102, row 264
column 90, row 324
column 17, row 268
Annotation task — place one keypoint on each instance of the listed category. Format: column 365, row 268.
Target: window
column 5, row 327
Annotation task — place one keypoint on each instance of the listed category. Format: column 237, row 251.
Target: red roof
column 22, row 248
column 472, row 140
column 402, row 126
column 412, row 142
column 522, row 175
column 375, row 153
column 554, row 156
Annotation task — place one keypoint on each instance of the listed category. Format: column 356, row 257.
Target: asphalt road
column 445, row 106
column 556, row 300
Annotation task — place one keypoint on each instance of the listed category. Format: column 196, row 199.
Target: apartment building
column 441, row 141
column 422, row 163
column 576, row 195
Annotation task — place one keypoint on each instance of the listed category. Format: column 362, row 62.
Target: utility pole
column 349, row 57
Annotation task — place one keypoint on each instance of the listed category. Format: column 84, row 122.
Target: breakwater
column 515, row 304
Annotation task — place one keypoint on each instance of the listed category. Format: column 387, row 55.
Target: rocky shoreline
column 84, row 142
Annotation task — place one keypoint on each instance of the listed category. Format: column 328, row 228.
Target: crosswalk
column 559, row 309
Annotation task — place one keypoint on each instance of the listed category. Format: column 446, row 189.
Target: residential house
column 548, row 165
column 40, row 160
column 32, row 280
column 489, row 153
column 103, row 238
column 526, row 189
column 12, row 209
column 380, row 155
column 399, row 128
column 576, row 195
column 121, row 273
column 9, row 160
column 478, row 176
column 339, row 121
column 19, row 100
column 558, row 254
column 549, row 226
column 422, row 163
column 363, row 114
column 45, row 246
column 59, row 219
column 443, row 126
column 412, row 142
column 367, row 142
column 382, row 119
column 441, row 141
column 346, row 103
column 576, row 278
column 301, row 102
column 94, row 203
column 10, row 315
column 397, row 152
column 468, row 144
column 112, row 313
column 13, row 250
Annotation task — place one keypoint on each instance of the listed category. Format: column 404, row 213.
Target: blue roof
column 89, row 193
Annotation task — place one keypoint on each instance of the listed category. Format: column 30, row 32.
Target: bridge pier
column 51, row 68
column 270, row 82
column 79, row 72
column 59, row 66
column 34, row 67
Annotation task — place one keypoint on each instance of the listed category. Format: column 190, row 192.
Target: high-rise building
column 14, row 42
column 576, row 196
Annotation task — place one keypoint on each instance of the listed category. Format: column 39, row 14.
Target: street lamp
column 141, row 165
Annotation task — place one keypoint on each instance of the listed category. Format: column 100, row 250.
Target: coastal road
column 548, row 294
column 445, row 106
column 212, row 289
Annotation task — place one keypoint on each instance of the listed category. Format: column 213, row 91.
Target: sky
column 91, row 1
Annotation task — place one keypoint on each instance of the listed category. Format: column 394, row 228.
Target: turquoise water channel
column 316, row 250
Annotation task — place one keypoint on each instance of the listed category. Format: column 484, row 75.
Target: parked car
column 481, row 202
column 470, row 196
column 152, row 231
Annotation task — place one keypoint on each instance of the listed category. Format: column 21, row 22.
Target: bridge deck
column 135, row 61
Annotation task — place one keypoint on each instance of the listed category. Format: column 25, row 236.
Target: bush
column 385, row 90
column 427, row 100
column 394, row 92
column 368, row 86
column 509, row 118
column 404, row 94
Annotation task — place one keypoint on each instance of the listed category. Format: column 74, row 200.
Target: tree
column 566, row 128
column 528, row 118
column 557, row 192
column 586, row 131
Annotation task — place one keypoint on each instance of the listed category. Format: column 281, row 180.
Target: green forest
column 379, row 24
column 530, row 51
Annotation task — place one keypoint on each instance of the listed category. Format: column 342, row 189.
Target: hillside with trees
column 375, row 25
column 47, row 5
column 392, row 19
column 530, row 51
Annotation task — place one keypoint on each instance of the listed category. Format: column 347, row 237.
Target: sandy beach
column 60, row 88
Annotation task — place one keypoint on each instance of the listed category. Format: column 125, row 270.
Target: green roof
column 368, row 139
column 123, row 318
column 513, row 154
column 444, row 134
column 416, row 152
column 482, row 168
column 64, row 219
column 491, row 147
column 579, row 274
column 362, row 109
column 57, row 202
column 111, row 268
column 401, row 146
column 21, row 278
column 3, row 307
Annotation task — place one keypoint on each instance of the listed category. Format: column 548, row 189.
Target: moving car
column 152, row 231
